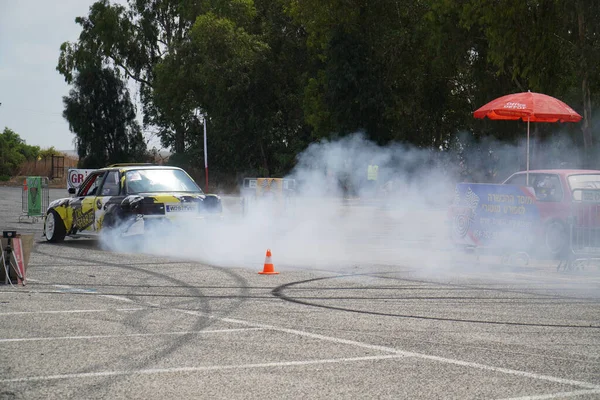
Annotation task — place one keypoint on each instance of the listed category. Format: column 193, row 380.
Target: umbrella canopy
column 530, row 107
column 535, row 107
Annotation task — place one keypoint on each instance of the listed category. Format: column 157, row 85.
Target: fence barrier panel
column 584, row 227
column 35, row 198
column 280, row 192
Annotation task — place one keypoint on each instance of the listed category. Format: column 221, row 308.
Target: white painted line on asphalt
column 397, row 353
column 73, row 311
column 67, row 288
column 127, row 335
column 72, row 289
column 509, row 371
column 445, row 360
column 559, row 395
column 118, row 298
column 197, row 369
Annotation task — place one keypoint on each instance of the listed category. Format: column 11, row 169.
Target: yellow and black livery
column 120, row 196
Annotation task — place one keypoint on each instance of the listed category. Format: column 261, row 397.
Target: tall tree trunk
column 587, row 116
column 585, row 87
column 179, row 140
column 264, row 159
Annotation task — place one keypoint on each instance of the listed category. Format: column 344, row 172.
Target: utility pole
column 202, row 118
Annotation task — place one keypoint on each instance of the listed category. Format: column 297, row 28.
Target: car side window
column 111, row 184
column 548, row 188
column 90, row 185
column 519, row 179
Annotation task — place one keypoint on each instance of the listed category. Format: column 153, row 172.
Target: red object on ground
column 268, row 267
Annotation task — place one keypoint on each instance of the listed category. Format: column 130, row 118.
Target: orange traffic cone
column 268, row 269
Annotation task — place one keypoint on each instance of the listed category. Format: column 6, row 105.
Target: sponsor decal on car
column 83, row 219
column 181, row 208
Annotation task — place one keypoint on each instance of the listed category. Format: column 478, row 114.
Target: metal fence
column 58, row 167
column 35, row 198
column 584, row 229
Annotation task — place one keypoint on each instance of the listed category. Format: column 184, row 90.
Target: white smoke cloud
column 334, row 219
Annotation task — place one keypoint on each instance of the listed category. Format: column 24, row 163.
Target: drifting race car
column 122, row 195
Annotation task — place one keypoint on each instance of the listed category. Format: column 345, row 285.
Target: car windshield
column 159, row 180
column 583, row 181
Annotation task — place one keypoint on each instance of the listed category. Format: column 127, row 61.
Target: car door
column 550, row 196
column 84, row 203
column 109, row 195
column 519, row 179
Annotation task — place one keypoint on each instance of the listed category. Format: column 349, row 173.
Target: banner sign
column 76, row 176
column 499, row 216
column 18, row 253
column 34, row 195
column 590, row 195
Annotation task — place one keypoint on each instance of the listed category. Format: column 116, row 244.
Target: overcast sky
column 31, row 90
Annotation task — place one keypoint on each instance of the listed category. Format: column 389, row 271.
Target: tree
column 381, row 67
column 273, row 75
column 100, row 113
column 239, row 62
column 49, row 152
column 244, row 71
column 13, row 152
column 549, row 46
column 132, row 40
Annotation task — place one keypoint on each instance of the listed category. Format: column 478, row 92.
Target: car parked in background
column 121, row 196
column 558, row 193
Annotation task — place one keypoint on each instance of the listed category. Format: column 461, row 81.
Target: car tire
column 54, row 227
column 213, row 205
column 556, row 238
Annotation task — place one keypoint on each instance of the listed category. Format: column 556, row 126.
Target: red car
column 559, row 195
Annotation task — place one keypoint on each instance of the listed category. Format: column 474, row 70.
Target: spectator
column 372, row 176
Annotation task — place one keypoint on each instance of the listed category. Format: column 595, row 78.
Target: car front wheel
column 54, row 229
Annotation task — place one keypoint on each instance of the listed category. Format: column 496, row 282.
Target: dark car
column 122, row 196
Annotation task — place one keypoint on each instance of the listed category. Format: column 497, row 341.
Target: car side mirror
column 71, row 190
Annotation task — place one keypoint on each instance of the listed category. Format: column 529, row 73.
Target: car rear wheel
column 55, row 228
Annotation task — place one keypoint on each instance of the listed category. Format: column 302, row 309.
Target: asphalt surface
column 94, row 324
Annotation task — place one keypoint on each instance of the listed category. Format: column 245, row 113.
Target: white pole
column 205, row 156
column 527, row 151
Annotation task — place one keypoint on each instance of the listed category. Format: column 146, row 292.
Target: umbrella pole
column 527, row 151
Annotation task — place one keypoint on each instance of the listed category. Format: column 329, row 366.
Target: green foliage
column 548, row 46
column 271, row 76
column 14, row 151
column 101, row 115
column 247, row 79
column 49, row 152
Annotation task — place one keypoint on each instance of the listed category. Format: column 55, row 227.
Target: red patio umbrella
column 530, row 107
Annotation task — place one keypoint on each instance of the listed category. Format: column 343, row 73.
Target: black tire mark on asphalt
column 135, row 323
column 507, row 300
column 457, row 286
column 279, row 292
